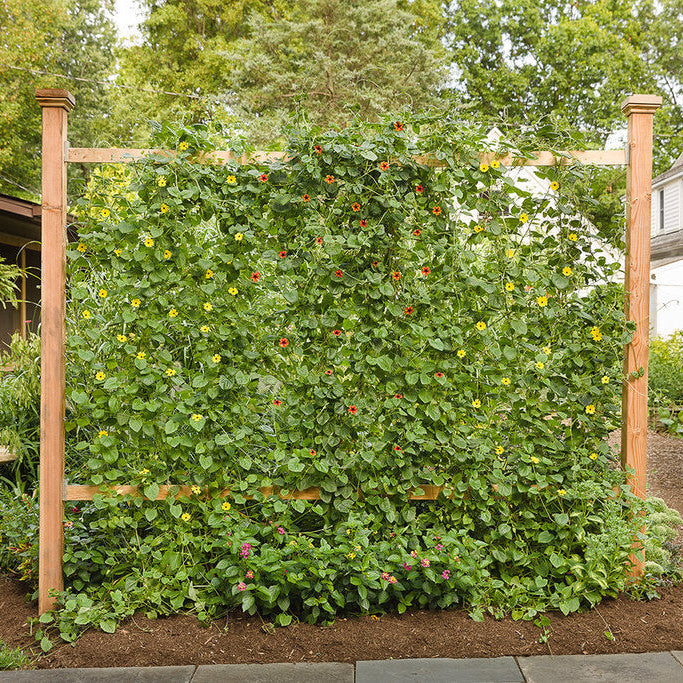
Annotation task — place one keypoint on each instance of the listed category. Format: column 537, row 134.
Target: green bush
column 337, row 321
column 19, row 534
column 665, row 378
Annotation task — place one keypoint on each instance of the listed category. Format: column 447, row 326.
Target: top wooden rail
column 118, row 155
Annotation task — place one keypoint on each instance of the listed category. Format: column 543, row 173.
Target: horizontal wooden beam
column 87, row 155
column 16, row 241
column 83, row 492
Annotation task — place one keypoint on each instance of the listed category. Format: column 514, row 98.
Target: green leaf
column 151, row 491
column 290, row 295
column 135, row 424
column 108, row 625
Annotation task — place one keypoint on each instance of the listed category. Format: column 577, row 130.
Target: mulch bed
column 180, row 639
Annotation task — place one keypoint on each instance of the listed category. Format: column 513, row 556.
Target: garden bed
column 619, row 625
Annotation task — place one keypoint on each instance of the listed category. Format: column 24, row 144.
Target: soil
column 618, row 625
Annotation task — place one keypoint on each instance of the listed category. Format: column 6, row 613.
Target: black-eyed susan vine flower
column 170, row 372
column 573, row 237
column 590, row 409
column 231, row 180
column 534, row 460
column 86, row 314
column 605, row 379
column 509, row 286
column 500, row 450
column 186, row 517
column 82, row 248
column 216, row 358
column 173, row 313
column 204, row 329
column 208, row 306
column 476, row 403
column 232, row 291
column 481, row 325
column 141, row 355
column 161, row 182
column 121, row 337
column 118, row 252
column 164, row 208
column 100, row 376
column 554, row 185
column 149, row 242
column 593, row 456
column 239, row 236
column 461, row 353
column 483, row 167
column 542, row 301
column 523, row 217
column 506, row 381
column 167, row 254
column 209, row 274
column 196, row 417
column 195, row 489
column 540, row 365
column 567, row 271
column 135, row 303
column 495, row 163
column 102, row 432
column 226, row 506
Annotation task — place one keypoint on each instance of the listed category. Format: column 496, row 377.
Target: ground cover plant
column 665, row 380
column 356, row 320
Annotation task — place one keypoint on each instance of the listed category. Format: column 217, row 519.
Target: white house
column 666, row 269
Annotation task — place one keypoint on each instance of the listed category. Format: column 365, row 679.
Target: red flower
column 438, row 375
column 355, row 206
column 284, row 342
column 426, row 270
column 398, row 395
column 398, row 126
column 263, row 178
column 353, row 409
column 255, row 276
column 318, row 240
column 306, row 198
column 408, row 310
column 374, row 264
column 396, row 275
column 436, row 210
column 318, row 149
column 312, row 451
column 337, row 333
column 283, row 254
column 363, row 223
column 419, row 189
column 398, row 448
column 329, row 179
column 277, row 403
column 417, row 232
column 338, row 273
column 384, row 166
column 328, row 372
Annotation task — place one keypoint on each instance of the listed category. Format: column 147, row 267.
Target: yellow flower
column 117, row 252
column 161, row 182
column 554, row 185
column 163, row 208
column 231, row 180
column 171, row 372
column 208, row 306
column 567, row 271
column 226, row 506
column 103, row 432
column 605, row 380
column 185, row 517
column 216, row 358
column 546, row 350
column 232, row 290
column 167, row 254
column 209, row 274
column 82, row 248
column 173, row 313
column 509, row 286
column 100, row 376
column 476, row 403
column 481, row 325
column 573, row 236
column 351, row 556
column 505, row 381
column 461, row 353
column 204, row 329
column 104, row 213
column 590, row 409
column 499, row 450
column 239, row 236
column 102, row 293
column 195, row 489
column 135, row 303
column 534, row 460
column 540, row 365
column 542, row 301
column 145, row 471
column 197, row 418
column 122, row 337
column 141, row 355
column 86, row 314
column 509, row 253
column 593, row 456
column 149, row 242
column 561, row 492
column 183, row 146
column 495, row 163
column 523, row 217
column 483, row 168
column 478, row 228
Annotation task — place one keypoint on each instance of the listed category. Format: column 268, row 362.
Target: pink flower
column 413, row 553
column 438, row 546
column 392, row 579
column 385, row 576
column 249, row 574
column 246, row 549
column 241, row 586
column 280, row 530
column 424, row 562
column 407, row 566
column 446, row 574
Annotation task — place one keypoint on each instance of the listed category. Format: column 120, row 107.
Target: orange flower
column 396, row 275
column 363, row 223
column 283, row 254
column 408, row 310
column 263, row 178
column 384, row 166
column 417, row 232
column 353, row 409
column 338, row 273
column 398, row 126
column 436, row 210
column 306, row 198
column 284, row 342
column 255, row 276
column 318, row 149
column 419, row 189
column 318, row 240
column 398, row 396
column 329, row 179
column 355, row 206
column 426, row 270
column 277, row 403
column 336, row 333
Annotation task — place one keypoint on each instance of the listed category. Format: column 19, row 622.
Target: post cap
column 51, row 97
column 641, row 104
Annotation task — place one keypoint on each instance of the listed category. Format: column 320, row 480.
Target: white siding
column 672, row 206
column 666, row 293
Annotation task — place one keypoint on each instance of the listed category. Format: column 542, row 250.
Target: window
column 661, row 210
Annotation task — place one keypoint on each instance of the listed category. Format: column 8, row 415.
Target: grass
column 13, row 658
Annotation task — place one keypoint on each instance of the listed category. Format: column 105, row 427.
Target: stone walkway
column 658, row 667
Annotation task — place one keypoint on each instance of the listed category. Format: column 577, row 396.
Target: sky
column 127, row 14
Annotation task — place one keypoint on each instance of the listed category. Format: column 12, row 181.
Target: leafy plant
column 665, row 378
column 13, row 658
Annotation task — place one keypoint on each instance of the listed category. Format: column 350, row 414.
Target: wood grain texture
column 87, row 155
column 640, row 113
column 55, row 105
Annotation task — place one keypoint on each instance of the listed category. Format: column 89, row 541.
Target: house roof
column 675, row 170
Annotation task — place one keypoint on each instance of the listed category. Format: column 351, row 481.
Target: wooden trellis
column 56, row 153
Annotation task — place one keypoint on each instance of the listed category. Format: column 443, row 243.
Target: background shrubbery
column 665, row 377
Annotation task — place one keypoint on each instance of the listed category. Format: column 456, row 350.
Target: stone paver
column 137, row 674
column 496, row 670
column 329, row 672
column 661, row 667
column 678, row 654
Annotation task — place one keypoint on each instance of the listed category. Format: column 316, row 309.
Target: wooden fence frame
column 56, row 104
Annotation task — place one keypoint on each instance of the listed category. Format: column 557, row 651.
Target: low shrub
column 665, row 378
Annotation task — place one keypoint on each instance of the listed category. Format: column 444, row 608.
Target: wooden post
column 55, row 105
column 639, row 111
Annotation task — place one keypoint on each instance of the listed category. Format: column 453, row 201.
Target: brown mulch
column 180, row 639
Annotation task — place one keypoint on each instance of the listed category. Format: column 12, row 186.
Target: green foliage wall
column 354, row 320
